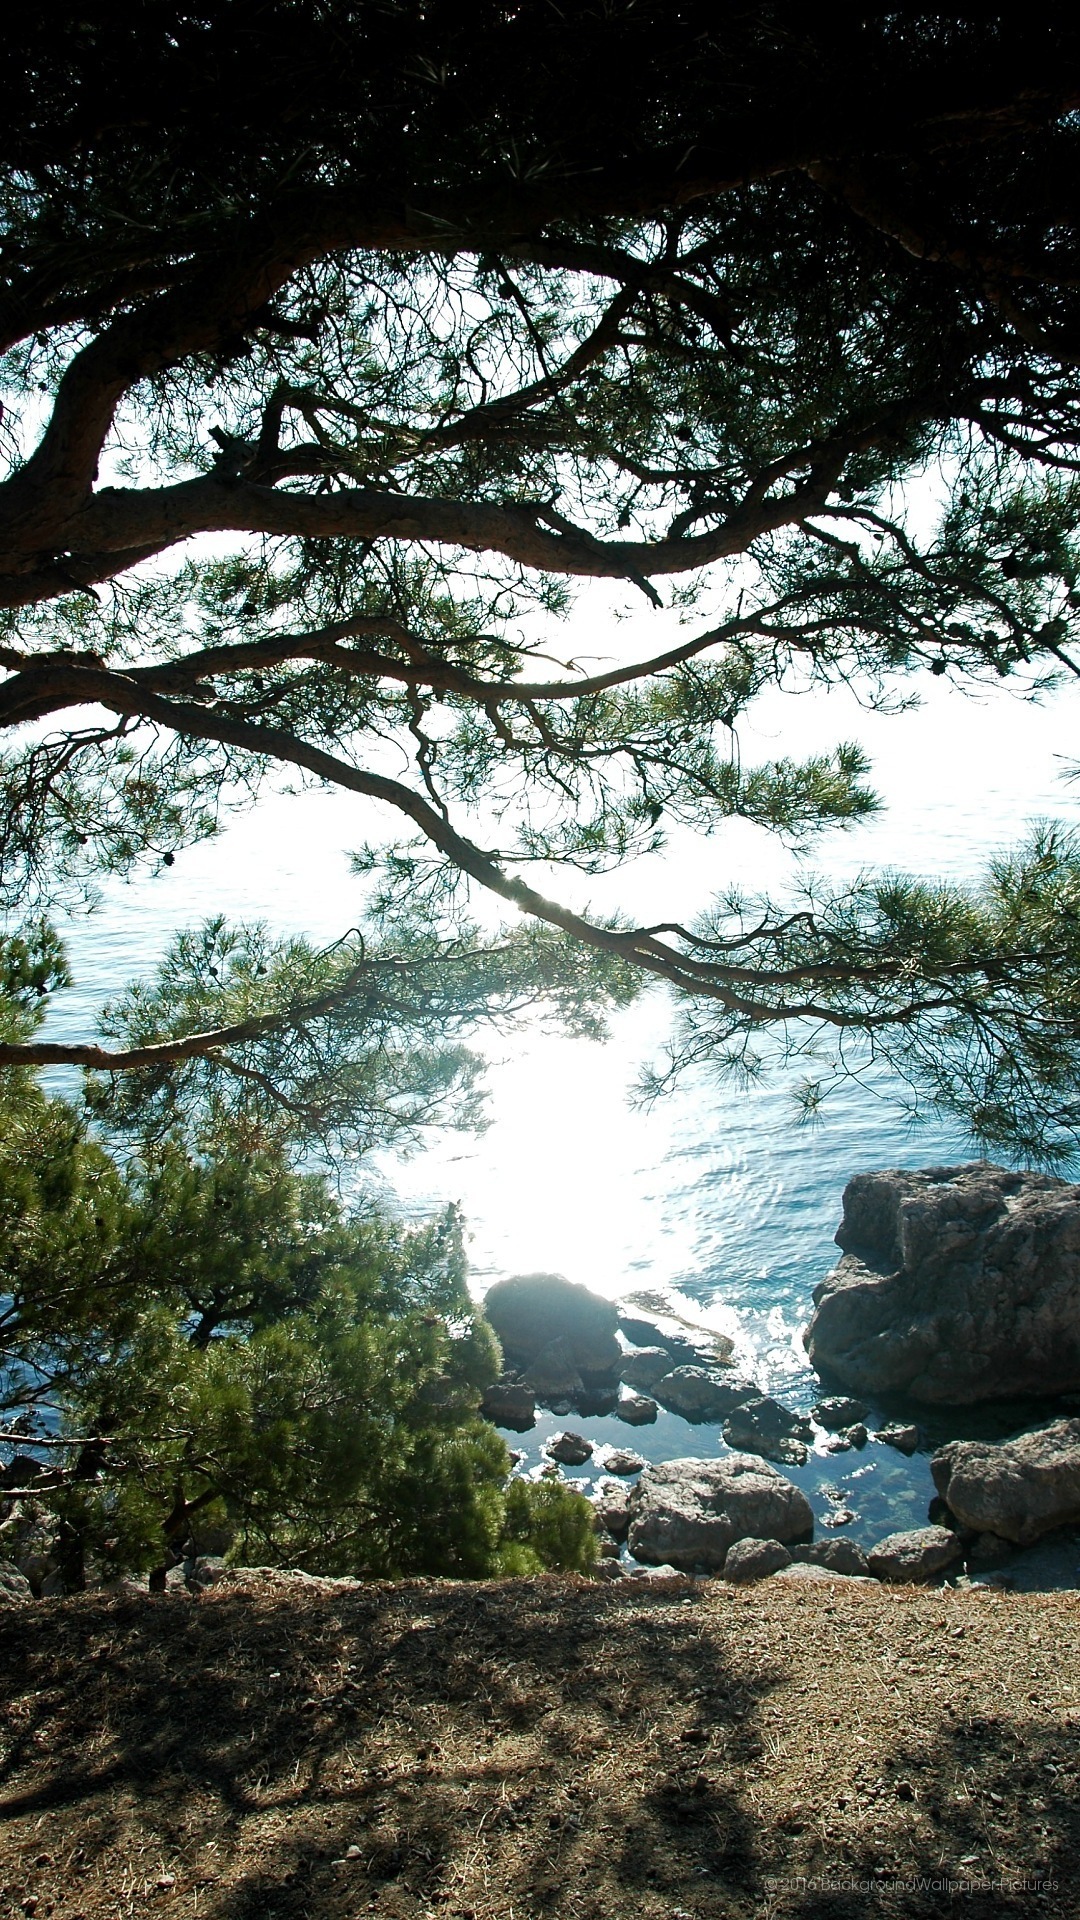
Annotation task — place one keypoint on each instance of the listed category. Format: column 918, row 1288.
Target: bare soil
column 535, row 1750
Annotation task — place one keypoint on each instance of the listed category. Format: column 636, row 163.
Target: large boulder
column 689, row 1512
column 764, row 1426
column 698, row 1394
column 509, row 1405
column 1018, row 1489
column 531, row 1311
column 957, row 1284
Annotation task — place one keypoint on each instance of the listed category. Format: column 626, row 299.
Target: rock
column 690, row 1512
column 15, row 1588
column 572, row 1449
column 957, row 1284
column 620, row 1460
column 847, row 1438
column 645, row 1367
column 662, row 1572
column 1020, row 1488
column 553, row 1373
column 205, row 1571
column 609, row 1570
column 986, row 1551
column 508, row 1405
column 612, row 1503
column 836, row 1556
column 532, row 1310
column 754, row 1560
column 918, row 1554
column 904, row 1439
column 763, row 1426
column 695, row 1346
column 596, row 1402
column 608, row 1549
column 803, row 1570
column 700, row 1395
column 636, row 1409
column 838, row 1411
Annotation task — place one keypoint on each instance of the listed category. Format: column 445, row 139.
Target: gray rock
column 838, row 1411
column 836, row 1556
column 609, row 1570
column 754, row 1560
column 957, row 1284
column 205, row 1571
column 1019, row 1489
column 763, row 1426
column 663, row 1572
column 532, row 1310
column 645, row 1367
column 620, row 1460
column 572, row 1449
column 15, row 1588
column 553, row 1374
column 612, row 1503
column 802, row 1571
column 904, row 1439
column 510, row 1406
column 636, row 1409
column 690, row 1512
column 700, row 1395
column 691, row 1346
column 919, row 1554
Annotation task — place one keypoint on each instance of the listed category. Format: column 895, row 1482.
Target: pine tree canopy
column 346, row 344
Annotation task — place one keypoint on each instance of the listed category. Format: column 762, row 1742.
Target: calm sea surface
column 714, row 1200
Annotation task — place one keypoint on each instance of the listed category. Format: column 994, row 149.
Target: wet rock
column 687, row 1347
column 690, row 1512
column 754, row 1560
column 612, row 1503
column 620, row 1460
column 645, row 1367
column 699, row 1394
column 904, row 1439
column 919, row 1554
column 763, row 1426
column 836, row 1556
column 838, row 1411
column 571, row 1449
column 594, row 1403
column 636, row 1409
column 553, row 1374
column 532, row 1310
column 15, row 1588
column 509, row 1405
column 957, row 1284
column 1020, row 1488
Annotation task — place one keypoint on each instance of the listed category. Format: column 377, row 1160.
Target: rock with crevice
column 690, row 1512
column 957, row 1284
column 612, row 1503
column 1018, row 1488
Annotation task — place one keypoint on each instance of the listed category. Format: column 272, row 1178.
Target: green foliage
column 547, row 1524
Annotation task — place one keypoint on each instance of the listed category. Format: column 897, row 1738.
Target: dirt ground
column 536, row 1750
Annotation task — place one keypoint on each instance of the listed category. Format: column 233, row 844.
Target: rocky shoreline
column 957, row 1285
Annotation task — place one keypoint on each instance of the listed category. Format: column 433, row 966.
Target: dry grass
column 538, row 1750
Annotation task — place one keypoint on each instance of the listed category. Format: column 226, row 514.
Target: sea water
column 714, row 1202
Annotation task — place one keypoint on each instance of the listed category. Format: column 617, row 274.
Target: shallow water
column 714, row 1200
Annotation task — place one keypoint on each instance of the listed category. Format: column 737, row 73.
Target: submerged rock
column 699, row 1394
column 916, row 1555
column 957, row 1284
column 689, row 1512
column 532, row 1310
column 1017, row 1489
